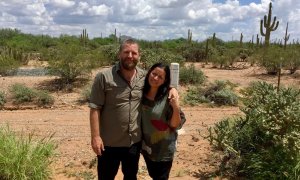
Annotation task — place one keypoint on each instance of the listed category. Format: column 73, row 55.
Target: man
column 115, row 114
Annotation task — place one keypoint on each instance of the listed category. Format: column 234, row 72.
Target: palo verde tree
column 268, row 25
column 70, row 60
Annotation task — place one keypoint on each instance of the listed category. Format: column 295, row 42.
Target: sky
column 150, row 19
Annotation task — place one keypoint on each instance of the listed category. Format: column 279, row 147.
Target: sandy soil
column 69, row 121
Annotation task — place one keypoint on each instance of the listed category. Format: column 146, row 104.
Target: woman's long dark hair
column 164, row 88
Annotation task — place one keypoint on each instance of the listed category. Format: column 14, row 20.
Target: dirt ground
column 69, row 121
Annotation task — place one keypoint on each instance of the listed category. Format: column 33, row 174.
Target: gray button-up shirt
column 119, row 104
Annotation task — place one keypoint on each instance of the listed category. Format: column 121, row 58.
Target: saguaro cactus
column 206, row 51
column 286, row 37
column 189, row 36
column 257, row 40
column 116, row 38
column 266, row 23
column 241, row 40
column 214, row 40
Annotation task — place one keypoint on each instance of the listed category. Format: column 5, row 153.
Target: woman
column 161, row 118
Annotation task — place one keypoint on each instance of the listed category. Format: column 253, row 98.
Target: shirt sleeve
column 182, row 116
column 97, row 97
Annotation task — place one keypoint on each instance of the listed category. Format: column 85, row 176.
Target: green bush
column 224, row 97
column 111, row 53
column 69, row 62
column 86, row 93
column 43, row 98
column 292, row 60
column 24, row 157
column 265, row 142
column 23, row 94
column 194, row 97
column 2, row 98
column 191, row 75
column 218, row 93
column 7, row 64
column 152, row 56
column 271, row 59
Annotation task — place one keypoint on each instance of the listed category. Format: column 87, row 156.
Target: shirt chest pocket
column 137, row 92
column 117, row 93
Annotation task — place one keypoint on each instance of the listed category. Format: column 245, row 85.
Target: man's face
column 129, row 56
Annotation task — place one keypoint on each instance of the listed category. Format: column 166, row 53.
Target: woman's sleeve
column 182, row 117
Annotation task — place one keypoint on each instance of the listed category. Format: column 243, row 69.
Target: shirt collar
column 140, row 72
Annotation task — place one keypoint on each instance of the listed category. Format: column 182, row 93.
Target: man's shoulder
column 105, row 70
column 141, row 71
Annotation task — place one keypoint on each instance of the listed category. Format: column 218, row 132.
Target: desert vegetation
column 261, row 143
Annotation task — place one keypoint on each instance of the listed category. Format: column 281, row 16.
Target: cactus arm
column 273, row 27
column 276, row 26
column 261, row 28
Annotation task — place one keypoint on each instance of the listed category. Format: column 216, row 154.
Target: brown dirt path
column 74, row 154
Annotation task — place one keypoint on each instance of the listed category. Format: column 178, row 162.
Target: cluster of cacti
column 266, row 23
column 84, row 37
column 13, row 53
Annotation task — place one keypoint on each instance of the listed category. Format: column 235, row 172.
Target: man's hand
column 97, row 145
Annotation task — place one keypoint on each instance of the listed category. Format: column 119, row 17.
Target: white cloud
column 62, row 3
column 86, row 9
column 149, row 19
column 99, row 10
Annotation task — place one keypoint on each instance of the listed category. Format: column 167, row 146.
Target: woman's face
column 157, row 77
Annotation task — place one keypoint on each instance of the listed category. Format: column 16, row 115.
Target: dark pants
column 109, row 161
column 158, row 170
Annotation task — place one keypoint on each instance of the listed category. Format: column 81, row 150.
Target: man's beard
column 129, row 66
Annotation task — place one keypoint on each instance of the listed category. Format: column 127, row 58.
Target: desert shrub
column 191, row 75
column 152, row 56
column 194, row 52
column 217, row 93
column 69, row 62
column 194, row 97
column 271, row 58
column 292, row 60
column 111, row 53
column 24, row 157
column 264, row 143
column 7, row 64
column 86, row 93
column 43, row 98
column 224, row 97
column 2, row 98
column 23, row 94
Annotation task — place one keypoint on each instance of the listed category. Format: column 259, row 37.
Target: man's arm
column 173, row 93
column 96, row 141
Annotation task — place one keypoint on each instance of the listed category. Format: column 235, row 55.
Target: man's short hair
column 128, row 41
